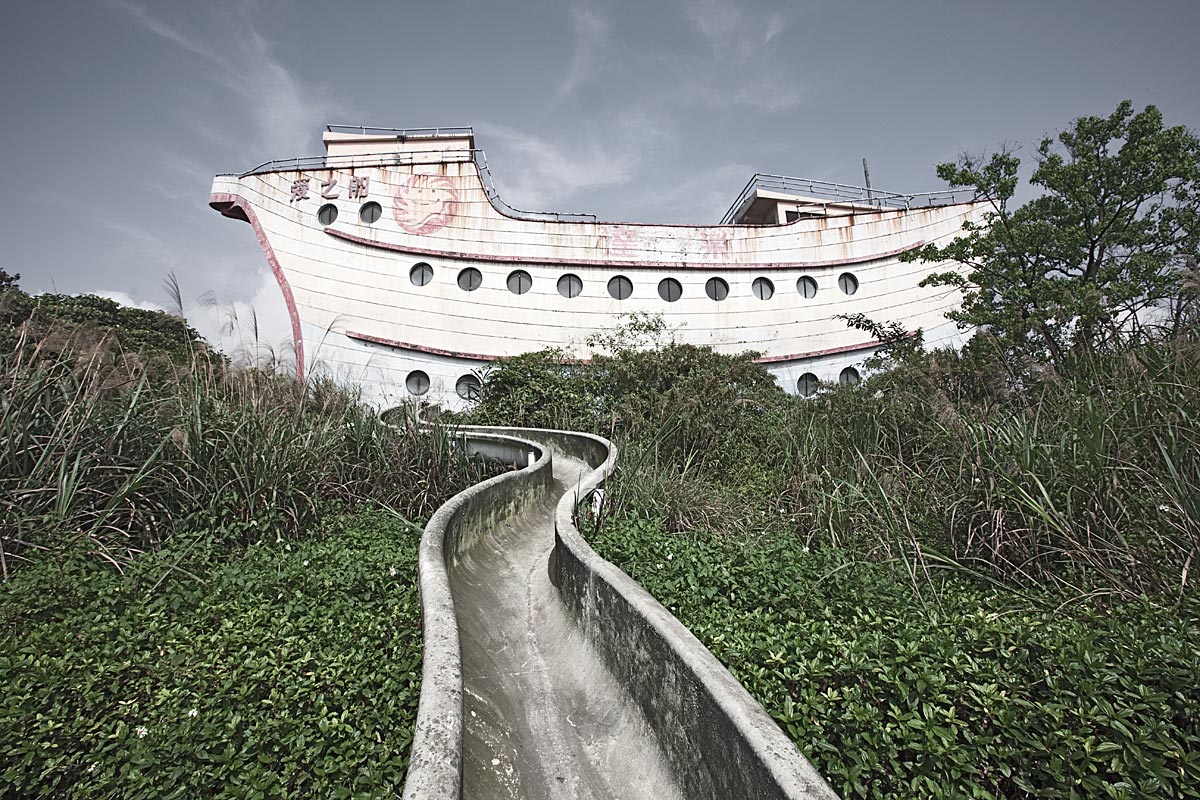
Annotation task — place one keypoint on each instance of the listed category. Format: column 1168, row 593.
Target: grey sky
column 118, row 113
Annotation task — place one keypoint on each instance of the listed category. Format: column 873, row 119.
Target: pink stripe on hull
column 225, row 203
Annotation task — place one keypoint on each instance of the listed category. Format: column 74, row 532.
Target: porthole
column 469, row 279
column 847, row 283
column 370, row 212
column 468, row 387
column 519, row 281
column 620, row 287
column 421, row 274
column 807, row 385
column 716, row 289
column 669, row 290
column 570, row 286
column 327, row 214
column 807, row 287
column 763, row 288
column 417, row 382
column 849, row 377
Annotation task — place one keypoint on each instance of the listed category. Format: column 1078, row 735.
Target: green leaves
column 291, row 672
column 1097, row 259
column 980, row 696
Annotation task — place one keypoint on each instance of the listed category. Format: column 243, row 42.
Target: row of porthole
column 620, row 287
column 369, row 213
column 807, row 384
column 468, row 386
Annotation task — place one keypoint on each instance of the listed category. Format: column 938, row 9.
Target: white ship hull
column 358, row 311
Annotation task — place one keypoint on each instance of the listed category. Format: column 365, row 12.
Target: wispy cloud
column 283, row 109
column 731, row 30
column 538, row 172
column 591, row 41
column 741, row 42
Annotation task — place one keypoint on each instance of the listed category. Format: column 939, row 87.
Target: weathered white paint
column 342, row 286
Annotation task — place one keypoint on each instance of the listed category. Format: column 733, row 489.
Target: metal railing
column 840, row 193
column 350, row 161
column 402, row 133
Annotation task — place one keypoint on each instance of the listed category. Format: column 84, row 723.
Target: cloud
column 126, row 300
column 742, row 43
column 246, row 330
column 283, row 110
column 731, row 31
column 538, row 172
column 591, row 41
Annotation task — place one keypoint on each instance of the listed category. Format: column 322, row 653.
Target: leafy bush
column 980, row 694
column 291, row 672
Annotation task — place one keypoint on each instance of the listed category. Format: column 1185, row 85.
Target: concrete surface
column 563, row 677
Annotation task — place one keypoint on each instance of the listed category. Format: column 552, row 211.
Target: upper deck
column 766, row 199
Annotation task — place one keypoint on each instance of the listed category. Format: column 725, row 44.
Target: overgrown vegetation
column 983, row 694
column 121, row 447
column 291, row 671
column 974, row 575
column 208, row 585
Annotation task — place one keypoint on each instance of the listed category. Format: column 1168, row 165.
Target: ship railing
column 857, row 197
column 353, row 161
column 402, row 133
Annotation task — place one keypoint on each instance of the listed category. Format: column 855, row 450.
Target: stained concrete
column 543, row 716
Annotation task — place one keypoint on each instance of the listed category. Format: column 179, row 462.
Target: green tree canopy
column 1100, row 258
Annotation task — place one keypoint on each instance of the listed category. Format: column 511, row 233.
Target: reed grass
column 116, row 451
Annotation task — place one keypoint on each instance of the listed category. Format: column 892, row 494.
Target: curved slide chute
column 549, row 673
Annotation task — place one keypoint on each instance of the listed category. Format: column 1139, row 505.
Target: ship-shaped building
column 404, row 272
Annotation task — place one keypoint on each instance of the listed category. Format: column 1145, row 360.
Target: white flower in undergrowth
column 306, row 562
column 92, row 768
column 140, row 731
column 193, row 712
column 660, row 566
column 392, row 571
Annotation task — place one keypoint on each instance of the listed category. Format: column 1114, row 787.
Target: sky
column 117, row 113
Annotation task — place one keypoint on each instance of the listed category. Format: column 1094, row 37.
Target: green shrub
column 980, row 694
column 291, row 672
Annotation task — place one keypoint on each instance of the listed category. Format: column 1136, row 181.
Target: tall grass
column 1086, row 478
column 116, row 451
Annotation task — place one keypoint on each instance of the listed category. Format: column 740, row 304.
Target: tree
column 1099, row 257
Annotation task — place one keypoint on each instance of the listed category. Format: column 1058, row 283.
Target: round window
column 468, row 387
column 849, row 377
column 570, row 286
column 763, row 288
column 669, row 290
column 469, row 279
column 717, row 289
column 370, row 212
column 807, row 287
column 421, row 274
column 620, row 287
column 417, row 382
column 847, row 283
column 807, row 385
column 327, row 214
column 519, row 281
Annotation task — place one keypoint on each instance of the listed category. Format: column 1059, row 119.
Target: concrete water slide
column 549, row 673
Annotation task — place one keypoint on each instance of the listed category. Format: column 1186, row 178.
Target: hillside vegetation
column 974, row 574
column 209, row 576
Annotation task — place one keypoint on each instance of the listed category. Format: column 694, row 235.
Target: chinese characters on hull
column 358, row 189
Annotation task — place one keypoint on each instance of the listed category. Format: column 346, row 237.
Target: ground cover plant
column 981, row 693
column 208, row 584
column 291, row 671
